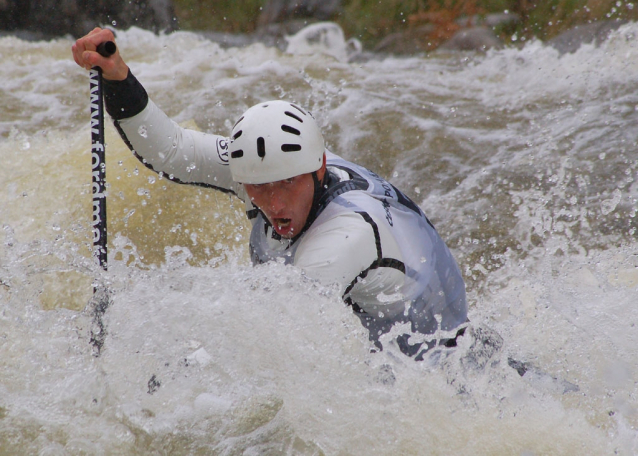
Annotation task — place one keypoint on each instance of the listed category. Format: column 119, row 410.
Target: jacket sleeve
column 181, row 155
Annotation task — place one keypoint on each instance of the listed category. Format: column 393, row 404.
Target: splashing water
column 525, row 161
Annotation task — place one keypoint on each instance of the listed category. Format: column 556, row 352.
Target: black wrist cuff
column 125, row 98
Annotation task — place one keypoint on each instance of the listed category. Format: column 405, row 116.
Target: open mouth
column 283, row 223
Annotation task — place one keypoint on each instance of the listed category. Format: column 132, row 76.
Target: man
column 337, row 221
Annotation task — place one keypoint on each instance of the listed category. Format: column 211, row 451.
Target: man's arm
column 182, row 155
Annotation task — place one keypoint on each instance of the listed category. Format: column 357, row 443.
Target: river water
column 525, row 160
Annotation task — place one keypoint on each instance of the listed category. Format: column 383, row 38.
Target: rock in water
column 473, row 39
column 596, row 32
column 284, row 10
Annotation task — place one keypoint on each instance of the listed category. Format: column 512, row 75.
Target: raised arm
column 182, row 155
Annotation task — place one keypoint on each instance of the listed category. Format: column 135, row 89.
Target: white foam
column 522, row 158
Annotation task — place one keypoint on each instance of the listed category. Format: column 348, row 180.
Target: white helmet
column 273, row 141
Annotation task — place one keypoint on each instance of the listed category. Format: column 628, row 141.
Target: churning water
column 526, row 161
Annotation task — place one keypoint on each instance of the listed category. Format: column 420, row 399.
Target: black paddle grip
column 106, row 49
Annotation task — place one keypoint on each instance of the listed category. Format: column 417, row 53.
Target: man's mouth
column 282, row 223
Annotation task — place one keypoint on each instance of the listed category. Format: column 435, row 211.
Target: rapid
column 524, row 159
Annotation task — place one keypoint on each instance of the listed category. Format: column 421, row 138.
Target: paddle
column 101, row 299
column 98, row 157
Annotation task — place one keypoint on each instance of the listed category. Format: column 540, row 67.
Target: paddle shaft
column 98, row 157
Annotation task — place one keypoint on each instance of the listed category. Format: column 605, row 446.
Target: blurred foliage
column 371, row 21
column 547, row 18
column 230, row 16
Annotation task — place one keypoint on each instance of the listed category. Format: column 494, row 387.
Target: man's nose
column 277, row 202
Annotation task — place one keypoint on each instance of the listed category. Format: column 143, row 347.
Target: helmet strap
column 320, row 188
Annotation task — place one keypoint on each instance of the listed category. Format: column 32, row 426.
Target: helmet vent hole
column 291, row 130
column 298, row 109
column 290, row 114
column 237, row 135
column 261, row 147
column 237, row 123
column 237, row 154
column 290, row 147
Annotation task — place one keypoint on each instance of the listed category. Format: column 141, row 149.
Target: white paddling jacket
column 364, row 234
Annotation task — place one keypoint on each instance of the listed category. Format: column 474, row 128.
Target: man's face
column 286, row 203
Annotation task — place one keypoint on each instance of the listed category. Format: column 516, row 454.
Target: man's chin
column 286, row 233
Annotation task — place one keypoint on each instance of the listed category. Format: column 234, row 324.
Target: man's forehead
column 280, row 182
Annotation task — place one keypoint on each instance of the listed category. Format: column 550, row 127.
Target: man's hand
column 85, row 55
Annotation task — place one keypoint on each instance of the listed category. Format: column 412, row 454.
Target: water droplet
column 142, row 131
column 609, row 205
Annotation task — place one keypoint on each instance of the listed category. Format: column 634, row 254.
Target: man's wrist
column 126, row 98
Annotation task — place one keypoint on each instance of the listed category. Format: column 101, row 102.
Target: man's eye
column 289, row 181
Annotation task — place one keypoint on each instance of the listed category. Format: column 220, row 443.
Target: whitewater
column 525, row 160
